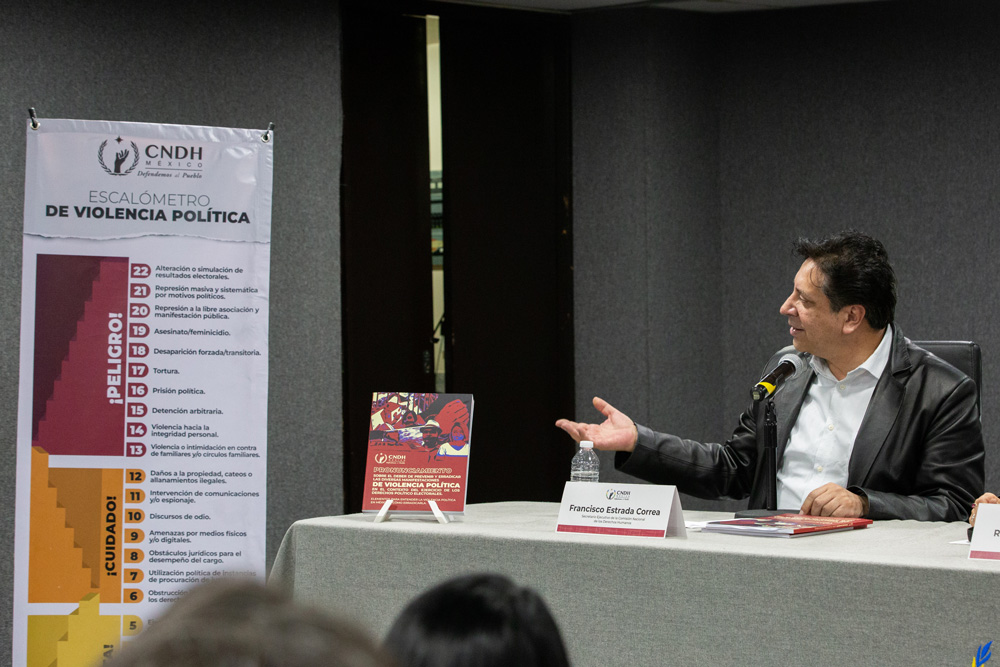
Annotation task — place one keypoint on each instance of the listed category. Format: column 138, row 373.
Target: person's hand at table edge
column 833, row 500
column 987, row 498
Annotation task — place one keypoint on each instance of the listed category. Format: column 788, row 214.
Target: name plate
column 985, row 541
column 641, row 510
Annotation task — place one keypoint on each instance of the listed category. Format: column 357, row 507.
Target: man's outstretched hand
column 616, row 433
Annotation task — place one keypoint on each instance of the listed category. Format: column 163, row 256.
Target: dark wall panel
column 649, row 278
column 207, row 64
column 879, row 116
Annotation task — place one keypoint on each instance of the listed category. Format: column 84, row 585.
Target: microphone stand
column 768, row 436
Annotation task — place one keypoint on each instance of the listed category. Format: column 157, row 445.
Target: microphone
column 788, row 367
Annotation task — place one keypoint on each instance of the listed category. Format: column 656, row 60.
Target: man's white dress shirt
column 822, row 438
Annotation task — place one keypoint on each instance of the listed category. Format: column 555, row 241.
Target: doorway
column 505, row 232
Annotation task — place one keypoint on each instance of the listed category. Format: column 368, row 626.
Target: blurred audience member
column 227, row 623
column 478, row 620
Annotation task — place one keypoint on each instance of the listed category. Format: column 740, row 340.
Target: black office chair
column 963, row 355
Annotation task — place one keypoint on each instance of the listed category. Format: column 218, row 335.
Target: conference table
column 895, row 593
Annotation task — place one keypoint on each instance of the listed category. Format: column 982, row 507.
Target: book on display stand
column 418, row 454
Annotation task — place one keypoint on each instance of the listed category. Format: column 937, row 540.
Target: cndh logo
column 381, row 458
column 121, row 156
column 982, row 655
column 613, row 494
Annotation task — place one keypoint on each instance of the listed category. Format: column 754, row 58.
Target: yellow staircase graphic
column 77, row 640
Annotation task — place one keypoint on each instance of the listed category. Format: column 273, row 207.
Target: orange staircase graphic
column 75, row 532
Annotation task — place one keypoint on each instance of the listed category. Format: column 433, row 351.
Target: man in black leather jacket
column 910, row 440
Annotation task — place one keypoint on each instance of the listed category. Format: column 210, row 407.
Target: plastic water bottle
column 585, row 467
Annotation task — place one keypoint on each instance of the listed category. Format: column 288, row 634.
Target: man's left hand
column 832, row 500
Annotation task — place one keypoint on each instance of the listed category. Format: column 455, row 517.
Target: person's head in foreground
column 226, row 623
column 477, row 620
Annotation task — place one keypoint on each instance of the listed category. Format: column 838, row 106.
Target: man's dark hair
column 857, row 271
column 477, row 620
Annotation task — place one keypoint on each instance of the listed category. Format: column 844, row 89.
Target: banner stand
column 141, row 445
column 383, row 513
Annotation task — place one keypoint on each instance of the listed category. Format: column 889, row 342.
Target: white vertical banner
column 142, row 413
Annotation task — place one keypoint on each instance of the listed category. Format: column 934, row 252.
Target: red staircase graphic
column 79, row 419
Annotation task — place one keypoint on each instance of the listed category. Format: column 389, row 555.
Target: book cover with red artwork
column 418, row 450
column 785, row 525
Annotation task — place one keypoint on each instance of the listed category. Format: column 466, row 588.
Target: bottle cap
column 586, row 444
